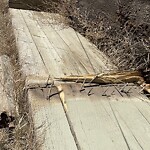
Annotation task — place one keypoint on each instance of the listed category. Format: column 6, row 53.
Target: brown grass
column 124, row 36
column 122, row 33
column 23, row 136
column 124, row 39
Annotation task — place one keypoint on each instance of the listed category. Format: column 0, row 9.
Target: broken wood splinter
column 110, row 78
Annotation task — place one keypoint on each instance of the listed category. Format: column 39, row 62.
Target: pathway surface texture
column 99, row 117
column 48, row 47
column 75, row 116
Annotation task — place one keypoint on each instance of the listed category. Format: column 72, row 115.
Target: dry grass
column 22, row 137
column 124, row 39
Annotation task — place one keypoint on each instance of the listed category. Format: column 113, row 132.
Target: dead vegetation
column 124, row 37
column 22, row 136
column 124, row 40
column 121, row 30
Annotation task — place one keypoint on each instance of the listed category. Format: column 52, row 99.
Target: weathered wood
column 51, row 125
column 110, row 78
column 130, row 117
column 78, row 48
column 53, row 49
column 93, row 126
column 49, row 52
column 104, row 118
column 33, row 82
column 85, row 118
column 29, row 57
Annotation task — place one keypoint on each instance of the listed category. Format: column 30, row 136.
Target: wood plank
column 135, row 127
column 82, row 48
column 30, row 59
column 53, row 49
column 50, row 121
column 48, row 25
column 94, row 126
column 69, row 42
column 79, row 46
column 81, row 62
column 57, row 52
